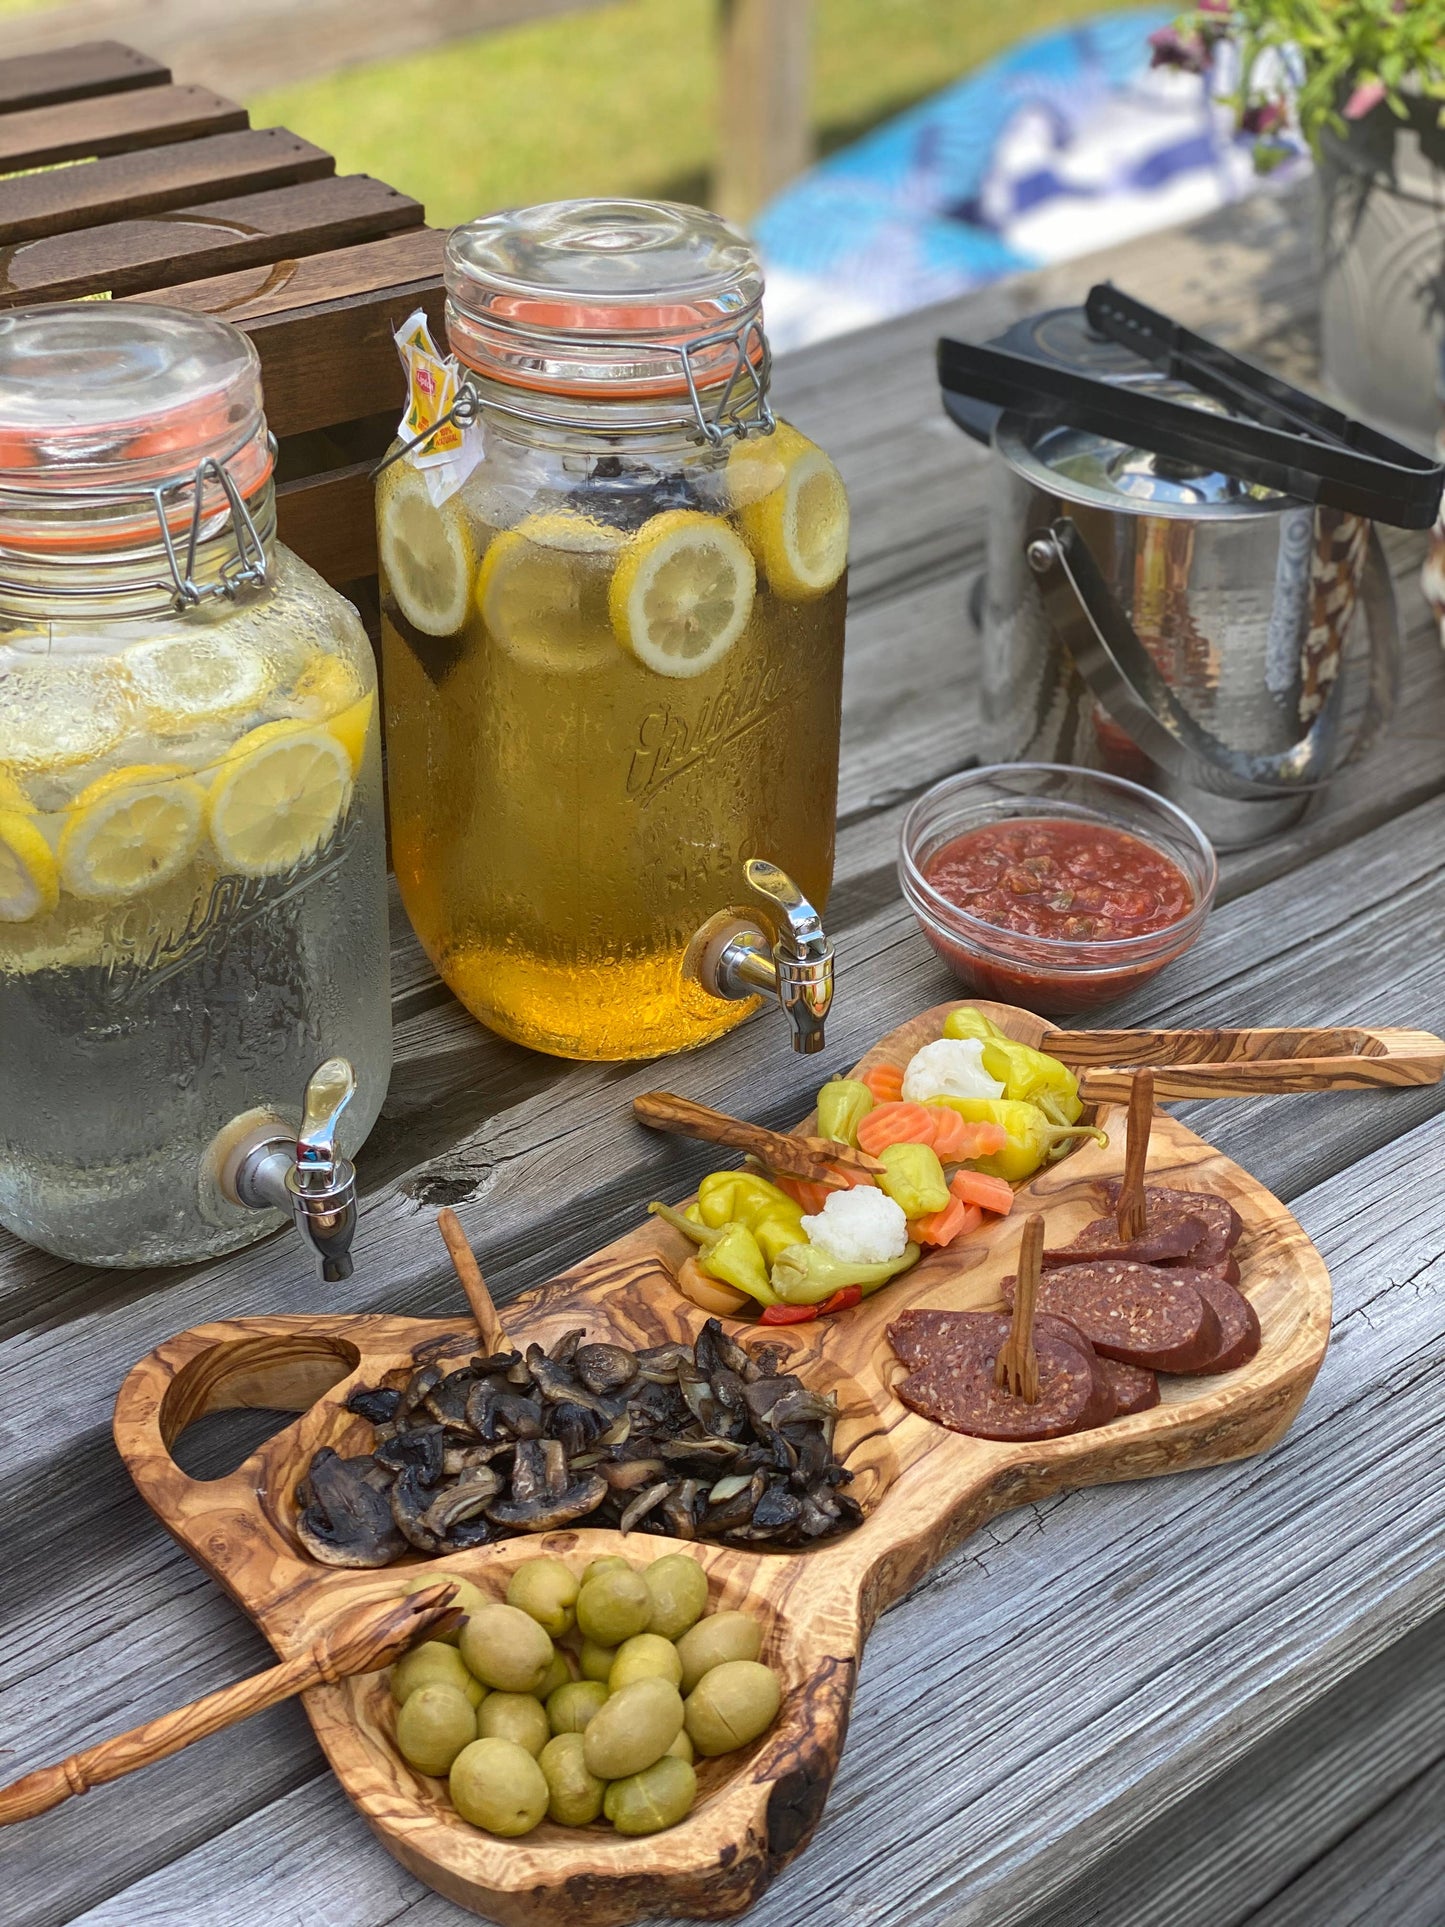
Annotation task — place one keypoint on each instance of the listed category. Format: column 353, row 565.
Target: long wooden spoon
column 1016, row 1369
column 1130, row 1212
column 816, row 1159
column 363, row 1640
column 1246, row 1063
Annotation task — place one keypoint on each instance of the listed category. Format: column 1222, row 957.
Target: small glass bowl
column 1051, row 975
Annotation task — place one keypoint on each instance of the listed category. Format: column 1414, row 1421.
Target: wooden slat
column 1389, row 1874
column 245, row 46
column 114, row 123
column 324, row 325
column 129, row 257
column 765, row 67
column 127, row 187
column 45, row 70
column 330, row 522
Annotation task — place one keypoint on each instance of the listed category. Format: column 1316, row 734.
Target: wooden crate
column 116, row 182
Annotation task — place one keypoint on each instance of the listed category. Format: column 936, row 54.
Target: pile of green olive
column 582, row 1698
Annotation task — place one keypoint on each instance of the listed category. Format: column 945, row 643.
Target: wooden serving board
column 922, row 1488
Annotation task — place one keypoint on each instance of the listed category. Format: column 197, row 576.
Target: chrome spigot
column 305, row 1176
column 736, row 959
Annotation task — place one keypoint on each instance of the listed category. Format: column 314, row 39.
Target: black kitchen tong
column 1275, row 434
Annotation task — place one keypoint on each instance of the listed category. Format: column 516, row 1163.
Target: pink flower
column 1262, row 118
column 1366, row 97
column 1170, row 48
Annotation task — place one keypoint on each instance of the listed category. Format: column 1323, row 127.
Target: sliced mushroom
column 680, row 1509
column 422, row 1449
column 565, row 1349
column 604, row 1368
column 345, row 1518
column 462, row 1501
column 418, row 1385
column 626, row 1475
column 547, row 1512
column 379, row 1406
column 642, row 1503
column 410, row 1503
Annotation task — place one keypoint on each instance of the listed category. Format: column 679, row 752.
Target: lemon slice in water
column 533, row 590
column 682, row 593
column 29, row 884
column 188, row 680
column 794, row 511
column 426, row 552
column 58, row 712
column 278, row 797
column 130, row 830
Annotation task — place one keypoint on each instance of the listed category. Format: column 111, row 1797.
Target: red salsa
column 1053, row 877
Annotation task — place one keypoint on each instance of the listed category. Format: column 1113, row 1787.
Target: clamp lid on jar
column 607, row 299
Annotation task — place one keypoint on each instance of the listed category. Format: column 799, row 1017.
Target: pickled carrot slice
column 955, row 1138
column 978, row 1187
column 885, row 1081
column 955, row 1220
column 900, row 1123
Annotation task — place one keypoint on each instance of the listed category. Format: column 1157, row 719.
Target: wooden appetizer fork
column 817, row 1159
column 1016, row 1369
column 362, row 1640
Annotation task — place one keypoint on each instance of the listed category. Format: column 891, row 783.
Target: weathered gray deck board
column 1156, row 1653
column 1391, row 1873
column 103, row 1622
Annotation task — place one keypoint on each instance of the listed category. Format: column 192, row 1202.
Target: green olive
column 574, row 1794
column 546, row 1589
column 678, row 1586
column 573, row 1705
column 558, row 1674
column 433, row 1663
column 433, row 1726
column 682, row 1746
column 730, row 1705
column 658, row 1797
column 514, row 1716
column 611, row 1562
column 644, row 1656
column 613, row 1606
column 596, row 1661
column 468, row 1596
column 712, row 1641
column 506, row 1648
column 633, row 1728
column 496, row 1784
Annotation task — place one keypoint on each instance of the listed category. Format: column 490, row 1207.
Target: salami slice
column 1163, row 1205
column 952, row 1357
column 1134, row 1389
column 1138, row 1314
column 1171, row 1240
column 1239, row 1333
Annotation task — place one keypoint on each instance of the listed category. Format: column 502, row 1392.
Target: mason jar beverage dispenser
column 194, row 1015
column 613, row 598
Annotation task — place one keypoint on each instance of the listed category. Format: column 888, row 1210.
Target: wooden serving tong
column 363, row 1640
column 816, row 1159
column 1246, row 1063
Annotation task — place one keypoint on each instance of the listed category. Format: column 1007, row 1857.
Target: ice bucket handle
column 1121, row 674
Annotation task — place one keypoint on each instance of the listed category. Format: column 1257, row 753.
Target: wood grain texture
column 130, row 256
column 1247, row 1063
column 114, row 123
column 923, row 1490
column 61, row 71
column 329, row 520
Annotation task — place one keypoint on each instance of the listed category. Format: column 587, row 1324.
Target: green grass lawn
column 621, row 100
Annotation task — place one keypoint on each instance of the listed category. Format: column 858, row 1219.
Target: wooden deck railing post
column 764, row 63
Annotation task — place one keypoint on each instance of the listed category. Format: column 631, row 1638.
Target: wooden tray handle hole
column 267, row 1378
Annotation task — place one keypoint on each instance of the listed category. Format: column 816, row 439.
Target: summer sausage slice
column 1134, row 1389
column 1223, row 1226
column 1171, row 1240
column 1138, row 1314
column 1239, row 1333
column 952, row 1377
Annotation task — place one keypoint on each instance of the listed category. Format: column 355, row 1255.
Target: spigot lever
column 305, row 1176
column 797, row 969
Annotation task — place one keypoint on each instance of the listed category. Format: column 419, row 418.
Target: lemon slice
column 57, row 713
column 130, row 830
column 278, row 797
column 325, row 685
column 12, row 797
column 426, row 553
column 350, row 725
column 201, row 678
column 682, row 593
column 533, row 590
column 29, row 884
column 794, row 511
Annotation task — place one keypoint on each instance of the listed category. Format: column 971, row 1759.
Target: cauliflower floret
column 859, row 1227
column 952, row 1067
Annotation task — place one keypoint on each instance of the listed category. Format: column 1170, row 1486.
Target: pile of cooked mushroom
column 714, row 1441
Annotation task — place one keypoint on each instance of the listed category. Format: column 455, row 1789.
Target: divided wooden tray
column 923, row 1489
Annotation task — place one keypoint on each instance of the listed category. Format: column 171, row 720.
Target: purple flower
column 1366, row 97
column 1263, row 117
column 1169, row 48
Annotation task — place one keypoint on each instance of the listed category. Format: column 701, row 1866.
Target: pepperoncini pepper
column 805, row 1274
column 741, row 1197
column 1028, row 1076
column 1033, row 1138
column 842, row 1103
column 729, row 1252
column 913, row 1177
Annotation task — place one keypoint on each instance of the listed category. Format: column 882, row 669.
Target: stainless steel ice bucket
column 1227, row 645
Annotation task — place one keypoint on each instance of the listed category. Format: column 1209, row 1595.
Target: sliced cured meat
column 1133, row 1389
column 952, row 1357
column 1223, row 1226
column 1173, row 1240
column 1239, row 1333
column 1138, row 1314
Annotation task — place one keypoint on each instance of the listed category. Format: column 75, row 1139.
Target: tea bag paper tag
column 450, row 452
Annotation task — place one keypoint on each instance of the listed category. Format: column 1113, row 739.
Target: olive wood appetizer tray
column 922, row 1489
